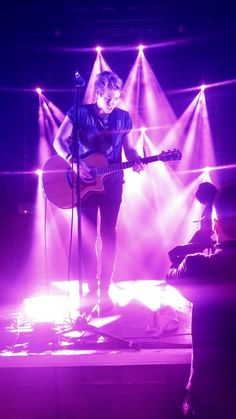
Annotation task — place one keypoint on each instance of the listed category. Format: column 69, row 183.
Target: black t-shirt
column 101, row 134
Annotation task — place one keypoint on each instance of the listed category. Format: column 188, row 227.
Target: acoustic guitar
column 59, row 180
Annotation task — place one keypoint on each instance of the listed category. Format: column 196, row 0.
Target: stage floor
column 149, row 324
column 133, row 364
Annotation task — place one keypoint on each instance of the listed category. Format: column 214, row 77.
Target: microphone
column 79, row 81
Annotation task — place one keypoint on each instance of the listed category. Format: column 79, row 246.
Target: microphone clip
column 79, row 81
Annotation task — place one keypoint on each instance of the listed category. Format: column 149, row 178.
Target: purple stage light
column 38, row 172
column 140, row 48
column 98, row 49
column 38, row 90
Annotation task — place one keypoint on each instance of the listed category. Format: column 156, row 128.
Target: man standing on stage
column 103, row 128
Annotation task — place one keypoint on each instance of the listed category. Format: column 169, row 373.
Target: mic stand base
column 81, row 324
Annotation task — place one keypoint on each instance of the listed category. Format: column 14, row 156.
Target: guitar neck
column 115, row 167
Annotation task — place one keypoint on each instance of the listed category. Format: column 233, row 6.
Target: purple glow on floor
column 62, row 300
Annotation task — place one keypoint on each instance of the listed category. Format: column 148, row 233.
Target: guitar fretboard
column 115, row 167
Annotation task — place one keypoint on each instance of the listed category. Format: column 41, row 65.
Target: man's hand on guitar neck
column 138, row 165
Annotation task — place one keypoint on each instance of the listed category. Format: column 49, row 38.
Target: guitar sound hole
column 91, row 181
column 92, row 172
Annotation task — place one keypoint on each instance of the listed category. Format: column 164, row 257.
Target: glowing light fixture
column 143, row 130
column 38, row 90
column 140, row 48
column 38, row 172
column 99, row 50
column 47, row 309
column 207, row 170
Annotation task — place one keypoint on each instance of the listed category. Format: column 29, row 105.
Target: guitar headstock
column 170, row 155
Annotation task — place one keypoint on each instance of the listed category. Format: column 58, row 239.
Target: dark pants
column 108, row 204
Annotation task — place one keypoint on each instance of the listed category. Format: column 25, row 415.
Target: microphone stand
column 79, row 84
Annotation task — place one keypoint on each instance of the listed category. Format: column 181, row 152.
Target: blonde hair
column 107, row 80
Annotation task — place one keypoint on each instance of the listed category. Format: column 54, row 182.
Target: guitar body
column 96, row 184
column 59, row 181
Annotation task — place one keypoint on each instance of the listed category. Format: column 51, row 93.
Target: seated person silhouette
column 202, row 239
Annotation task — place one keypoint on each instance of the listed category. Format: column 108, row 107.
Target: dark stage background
column 33, row 35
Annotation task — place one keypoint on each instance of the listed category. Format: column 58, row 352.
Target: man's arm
column 62, row 143
column 131, row 153
column 62, row 139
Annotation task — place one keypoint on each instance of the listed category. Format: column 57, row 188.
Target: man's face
column 108, row 100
